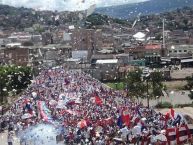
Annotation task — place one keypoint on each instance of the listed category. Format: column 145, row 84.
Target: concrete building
column 140, row 51
column 25, row 37
column 86, row 39
column 174, row 50
column 16, row 55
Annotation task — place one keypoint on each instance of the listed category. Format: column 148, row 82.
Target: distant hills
column 145, row 8
column 12, row 18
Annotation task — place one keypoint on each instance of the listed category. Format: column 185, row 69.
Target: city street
column 175, row 97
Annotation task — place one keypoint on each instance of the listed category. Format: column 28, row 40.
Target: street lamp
column 146, row 79
column 171, row 96
column 157, row 97
column 116, row 85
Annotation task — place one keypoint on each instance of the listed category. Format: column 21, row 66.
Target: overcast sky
column 62, row 5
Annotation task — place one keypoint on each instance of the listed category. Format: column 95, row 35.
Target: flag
column 82, row 124
column 178, row 135
column 172, row 112
column 126, row 117
column 119, row 122
column 98, row 100
column 167, row 117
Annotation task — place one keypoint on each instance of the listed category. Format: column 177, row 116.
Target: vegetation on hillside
column 20, row 18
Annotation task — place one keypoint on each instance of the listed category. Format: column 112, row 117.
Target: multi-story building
column 175, row 50
column 16, row 55
column 140, row 51
column 86, row 39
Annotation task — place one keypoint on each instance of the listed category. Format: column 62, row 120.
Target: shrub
column 164, row 105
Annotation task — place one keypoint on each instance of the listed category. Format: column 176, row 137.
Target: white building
column 180, row 49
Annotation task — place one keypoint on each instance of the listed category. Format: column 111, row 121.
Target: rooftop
column 106, row 61
column 153, row 46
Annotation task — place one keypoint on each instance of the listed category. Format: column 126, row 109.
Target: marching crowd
column 89, row 112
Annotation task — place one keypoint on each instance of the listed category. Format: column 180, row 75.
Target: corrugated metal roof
column 107, row 61
column 186, row 60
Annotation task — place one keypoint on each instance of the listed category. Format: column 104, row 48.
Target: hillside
column 146, row 8
column 20, row 18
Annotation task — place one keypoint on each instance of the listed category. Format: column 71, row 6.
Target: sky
column 65, row 5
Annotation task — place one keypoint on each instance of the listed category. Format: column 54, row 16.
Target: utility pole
column 163, row 33
column 163, row 41
column 147, row 92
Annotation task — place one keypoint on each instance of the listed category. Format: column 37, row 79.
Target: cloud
column 63, row 5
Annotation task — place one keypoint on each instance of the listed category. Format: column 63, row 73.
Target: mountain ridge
column 145, row 8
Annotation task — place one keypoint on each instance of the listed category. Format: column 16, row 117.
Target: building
column 175, row 50
column 124, row 59
column 16, row 55
column 106, row 69
column 86, row 39
column 21, row 37
column 140, row 51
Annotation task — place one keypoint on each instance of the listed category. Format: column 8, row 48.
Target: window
column 185, row 50
column 175, row 51
column 180, row 50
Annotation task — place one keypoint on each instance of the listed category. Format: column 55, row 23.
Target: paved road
column 185, row 110
column 177, row 97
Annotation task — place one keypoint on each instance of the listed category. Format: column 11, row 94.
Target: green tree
column 38, row 28
column 13, row 79
column 189, row 81
column 142, row 86
column 156, row 83
column 134, row 84
column 189, row 86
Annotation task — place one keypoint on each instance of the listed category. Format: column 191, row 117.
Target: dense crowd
column 88, row 111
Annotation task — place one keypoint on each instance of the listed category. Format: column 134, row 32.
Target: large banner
column 179, row 135
column 175, row 136
column 44, row 112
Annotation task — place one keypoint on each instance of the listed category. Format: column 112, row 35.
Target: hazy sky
column 62, row 5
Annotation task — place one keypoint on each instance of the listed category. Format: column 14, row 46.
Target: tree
column 189, row 86
column 189, row 81
column 13, row 79
column 150, row 86
column 156, row 83
column 134, row 84
column 38, row 28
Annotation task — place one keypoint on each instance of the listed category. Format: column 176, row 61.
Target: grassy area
column 116, row 85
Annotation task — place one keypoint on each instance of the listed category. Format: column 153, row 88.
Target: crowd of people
column 88, row 112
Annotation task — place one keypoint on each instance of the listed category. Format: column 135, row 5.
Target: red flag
column 98, row 100
column 167, row 117
column 172, row 112
column 126, row 117
column 82, row 124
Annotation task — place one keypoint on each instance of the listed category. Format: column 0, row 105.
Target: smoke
column 65, row 5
